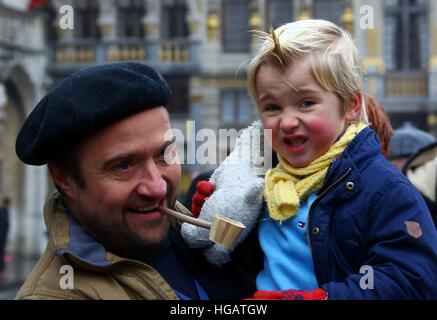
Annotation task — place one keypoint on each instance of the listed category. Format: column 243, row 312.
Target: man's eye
column 271, row 108
column 123, row 166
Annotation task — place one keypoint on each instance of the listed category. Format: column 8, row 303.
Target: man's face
column 126, row 178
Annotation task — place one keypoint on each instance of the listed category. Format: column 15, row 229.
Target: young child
column 340, row 221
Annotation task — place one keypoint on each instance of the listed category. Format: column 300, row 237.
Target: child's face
column 304, row 118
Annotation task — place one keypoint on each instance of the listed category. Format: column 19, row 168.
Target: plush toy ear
column 354, row 108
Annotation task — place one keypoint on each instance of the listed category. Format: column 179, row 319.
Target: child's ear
column 353, row 110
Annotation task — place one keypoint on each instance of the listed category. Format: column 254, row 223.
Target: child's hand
column 204, row 189
column 317, row 294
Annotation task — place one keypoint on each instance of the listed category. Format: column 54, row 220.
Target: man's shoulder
column 55, row 277
column 45, row 282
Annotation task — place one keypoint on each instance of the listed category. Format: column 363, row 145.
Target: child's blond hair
column 330, row 51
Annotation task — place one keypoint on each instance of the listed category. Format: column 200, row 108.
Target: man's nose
column 152, row 184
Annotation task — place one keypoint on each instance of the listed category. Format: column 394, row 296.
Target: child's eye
column 307, row 103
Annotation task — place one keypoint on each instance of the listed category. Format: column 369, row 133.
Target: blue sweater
column 288, row 263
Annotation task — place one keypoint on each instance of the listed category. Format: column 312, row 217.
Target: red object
column 317, row 294
column 34, row 4
column 204, row 189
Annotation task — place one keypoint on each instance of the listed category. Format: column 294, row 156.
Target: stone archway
column 26, row 185
column 12, row 172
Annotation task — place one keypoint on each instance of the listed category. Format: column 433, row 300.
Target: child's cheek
column 322, row 131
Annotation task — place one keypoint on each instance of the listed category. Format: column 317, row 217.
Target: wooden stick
column 185, row 218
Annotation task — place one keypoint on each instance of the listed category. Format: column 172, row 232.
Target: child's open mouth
column 295, row 144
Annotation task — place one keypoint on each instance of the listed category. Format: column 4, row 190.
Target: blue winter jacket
column 370, row 232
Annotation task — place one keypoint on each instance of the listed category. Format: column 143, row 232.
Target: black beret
column 86, row 101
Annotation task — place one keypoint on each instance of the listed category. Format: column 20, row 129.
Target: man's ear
column 61, row 179
column 353, row 110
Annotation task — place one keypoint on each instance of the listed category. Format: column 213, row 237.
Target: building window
column 236, row 107
column 130, row 15
column 179, row 104
column 86, row 13
column 235, row 26
column 173, row 22
column 278, row 12
column 330, row 10
column 406, row 32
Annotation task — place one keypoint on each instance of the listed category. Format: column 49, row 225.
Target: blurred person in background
column 405, row 142
column 421, row 170
column 4, row 228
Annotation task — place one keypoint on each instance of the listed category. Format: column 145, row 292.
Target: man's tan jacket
column 96, row 273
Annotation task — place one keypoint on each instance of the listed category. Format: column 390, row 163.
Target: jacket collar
column 346, row 170
column 70, row 240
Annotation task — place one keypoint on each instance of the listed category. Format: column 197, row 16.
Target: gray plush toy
column 238, row 192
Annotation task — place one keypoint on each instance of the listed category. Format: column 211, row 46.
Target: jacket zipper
column 318, row 200
column 149, row 284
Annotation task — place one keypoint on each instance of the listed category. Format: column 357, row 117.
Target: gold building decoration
column 213, row 26
column 304, row 15
column 348, row 20
column 255, row 20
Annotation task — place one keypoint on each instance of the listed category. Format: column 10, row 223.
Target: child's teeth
column 296, row 142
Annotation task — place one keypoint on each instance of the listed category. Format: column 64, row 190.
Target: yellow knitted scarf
column 285, row 185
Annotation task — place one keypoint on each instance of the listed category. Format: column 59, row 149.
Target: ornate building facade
column 202, row 47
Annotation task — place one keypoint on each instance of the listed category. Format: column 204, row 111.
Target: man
column 101, row 132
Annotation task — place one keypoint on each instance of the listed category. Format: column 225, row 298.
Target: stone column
column 107, row 20
column 152, row 29
column 433, row 59
column 369, row 40
column 304, row 10
column 432, row 75
column 35, row 194
column 256, row 22
column 3, row 100
column 64, row 35
column 107, row 23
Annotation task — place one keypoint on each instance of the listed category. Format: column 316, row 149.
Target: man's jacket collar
column 71, row 241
